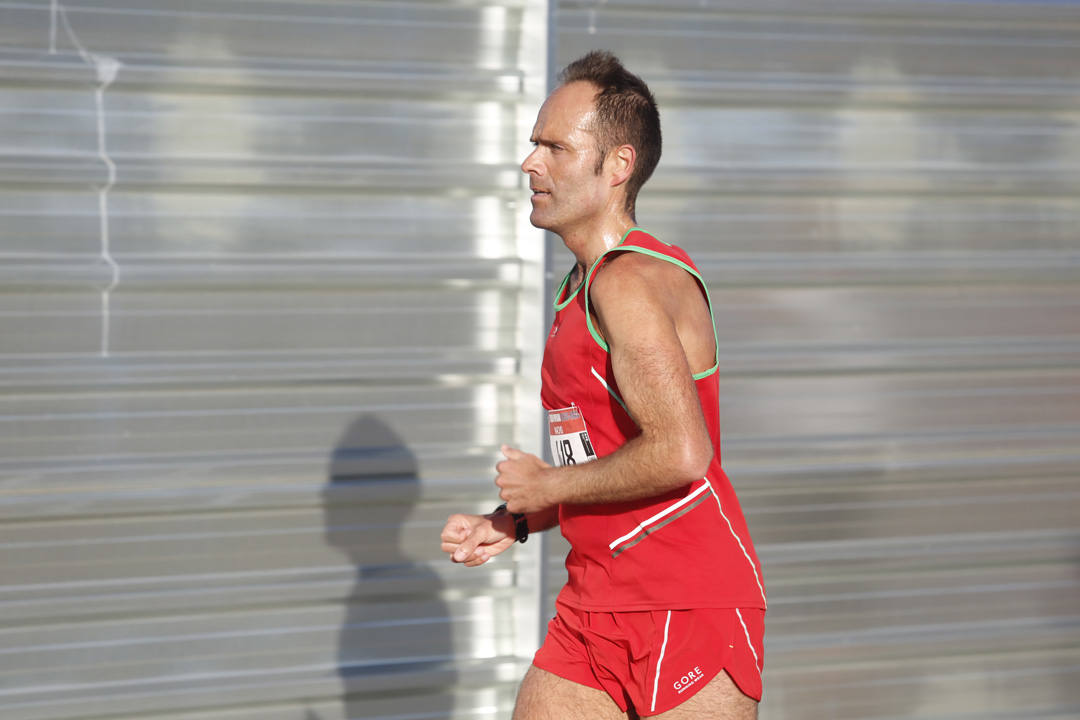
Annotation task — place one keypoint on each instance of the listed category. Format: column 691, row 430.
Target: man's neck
column 589, row 244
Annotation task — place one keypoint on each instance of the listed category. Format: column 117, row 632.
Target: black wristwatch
column 521, row 525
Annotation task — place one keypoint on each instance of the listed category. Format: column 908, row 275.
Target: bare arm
column 475, row 539
column 641, row 306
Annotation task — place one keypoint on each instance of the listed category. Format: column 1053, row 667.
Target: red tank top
column 688, row 548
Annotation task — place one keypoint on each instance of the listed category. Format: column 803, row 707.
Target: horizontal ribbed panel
column 264, row 286
column 883, row 200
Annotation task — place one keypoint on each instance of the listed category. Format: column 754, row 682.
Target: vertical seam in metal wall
column 549, row 317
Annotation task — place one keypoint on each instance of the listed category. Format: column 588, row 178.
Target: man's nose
column 529, row 165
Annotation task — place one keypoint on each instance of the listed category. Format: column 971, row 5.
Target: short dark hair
column 626, row 114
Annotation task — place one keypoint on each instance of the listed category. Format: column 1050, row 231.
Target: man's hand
column 475, row 539
column 520, row 482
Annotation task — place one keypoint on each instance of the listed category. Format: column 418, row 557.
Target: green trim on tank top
column 566, row 280
column 674, row 261
column 558, row 293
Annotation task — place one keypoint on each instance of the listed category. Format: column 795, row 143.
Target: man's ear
column 622, row 161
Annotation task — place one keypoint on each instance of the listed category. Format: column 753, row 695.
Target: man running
column 663, row 612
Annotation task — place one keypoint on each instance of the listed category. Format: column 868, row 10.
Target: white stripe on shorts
column 659, row 662
column 746, row 632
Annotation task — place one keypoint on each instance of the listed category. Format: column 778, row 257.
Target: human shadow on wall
column 395, row 640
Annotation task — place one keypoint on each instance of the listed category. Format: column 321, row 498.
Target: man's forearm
column 543, row 519
column 639, row 469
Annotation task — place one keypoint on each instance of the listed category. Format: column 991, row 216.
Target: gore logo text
column 691, row 677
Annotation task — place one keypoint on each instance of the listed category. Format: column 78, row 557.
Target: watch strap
column 521, row 525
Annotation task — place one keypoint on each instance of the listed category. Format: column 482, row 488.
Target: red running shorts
column 654, row 660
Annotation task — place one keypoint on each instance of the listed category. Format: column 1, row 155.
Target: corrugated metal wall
column 883, row 197
column 269, row 305
column 266, row 286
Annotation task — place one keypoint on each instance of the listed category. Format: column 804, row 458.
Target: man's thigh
column 545, row 696
column 721, row 699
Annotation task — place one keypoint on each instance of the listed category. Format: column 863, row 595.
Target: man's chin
column 538, row 221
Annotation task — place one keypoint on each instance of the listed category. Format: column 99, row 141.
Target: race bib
column 570, row 443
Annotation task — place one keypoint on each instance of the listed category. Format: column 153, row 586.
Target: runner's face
column 567, row 191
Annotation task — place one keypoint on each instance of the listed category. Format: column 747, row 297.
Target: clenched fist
column 475, row 539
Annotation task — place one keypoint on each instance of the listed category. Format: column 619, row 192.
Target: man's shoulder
column 637, row 272
column 626, row 273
